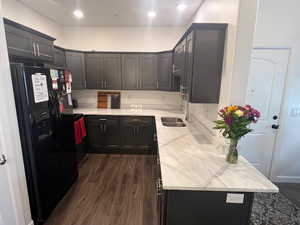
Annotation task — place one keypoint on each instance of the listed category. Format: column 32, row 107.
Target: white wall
column 10, row 139
column 16, row 11
column 240, row 16
column 278, row 26
column 131, row 39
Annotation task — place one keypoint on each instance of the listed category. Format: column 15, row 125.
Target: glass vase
column 232, row 156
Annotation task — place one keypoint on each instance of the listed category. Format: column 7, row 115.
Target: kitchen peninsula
column 196, row 183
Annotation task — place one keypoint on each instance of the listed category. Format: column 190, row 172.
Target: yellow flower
column 232, row 108
column 239, row 113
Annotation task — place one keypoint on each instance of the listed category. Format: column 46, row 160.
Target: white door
column 7, row 211
column 264, row 92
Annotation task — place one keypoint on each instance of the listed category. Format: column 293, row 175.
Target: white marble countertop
column 190, row 162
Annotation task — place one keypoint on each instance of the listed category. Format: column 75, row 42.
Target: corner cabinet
column 76, row 64
column 24, row 42
column 103, row 71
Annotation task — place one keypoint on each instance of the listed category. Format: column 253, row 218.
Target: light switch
column 295, row 112
column 235, row 198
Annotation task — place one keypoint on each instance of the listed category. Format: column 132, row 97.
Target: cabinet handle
column 157, row 84
column 38, row 49
column 104, row 128
column 34, row 50
column 101, row 84
column 105, row 82
column 102, row 119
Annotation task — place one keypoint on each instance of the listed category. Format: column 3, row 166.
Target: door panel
column 59, row 58
column 148, row 72
column 264, row 92
column 112, row 71
column 75, row 62
column 93, row 71
column 164, row 68
column 130, row 72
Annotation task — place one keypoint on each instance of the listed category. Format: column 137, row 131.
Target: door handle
column 275, row 127
column 2, row 160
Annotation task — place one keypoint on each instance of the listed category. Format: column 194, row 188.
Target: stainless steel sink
column 172, row 122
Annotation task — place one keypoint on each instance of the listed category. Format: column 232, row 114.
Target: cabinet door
column 59, row 58
column 189, row 56
column 164, row 71
column 75, row 62
column 93, row 64
column 207, row 67
column 111, row 71
column 103, row 133
column 44, row 48
column 19, row 42
column 148, row 72
column 130, row 72
column 137, row 132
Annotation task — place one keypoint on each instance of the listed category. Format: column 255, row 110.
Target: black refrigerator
column 46, row 125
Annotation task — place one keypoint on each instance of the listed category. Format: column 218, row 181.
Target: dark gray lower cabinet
column 137, row 133
column 205, row 208
column 120, row 134
column 103, row 133
column 76, row 64
column 164, row 71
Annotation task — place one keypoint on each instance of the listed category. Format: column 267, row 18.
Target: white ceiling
column 115, row 12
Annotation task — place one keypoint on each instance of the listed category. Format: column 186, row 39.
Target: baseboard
column 31, row 222
column 286, row 179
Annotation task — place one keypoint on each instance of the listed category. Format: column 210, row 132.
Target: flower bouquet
column 234, row 124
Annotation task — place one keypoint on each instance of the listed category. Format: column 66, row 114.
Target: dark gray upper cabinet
column 148, row 72
column 103, row 71
column 164, row 71
column 130, row 72
column 76, row 64
column 93, row 73
column 59, row 57
column 204, row 62
column 111, row 71
column 179, row 61
column 139, row 72
column 27, row 43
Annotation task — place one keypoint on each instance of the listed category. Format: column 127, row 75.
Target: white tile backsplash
column 133, row 99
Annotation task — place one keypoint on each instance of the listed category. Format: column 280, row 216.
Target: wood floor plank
column 111, row 190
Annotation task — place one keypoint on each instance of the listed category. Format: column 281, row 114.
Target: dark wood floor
column 291, row 191
column 111, row 190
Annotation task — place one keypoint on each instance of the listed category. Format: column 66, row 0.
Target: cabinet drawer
column 138, row 120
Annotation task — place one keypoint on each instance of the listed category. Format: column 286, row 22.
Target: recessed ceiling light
column 181, row 6
column 151, row 14
column 78, row 13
